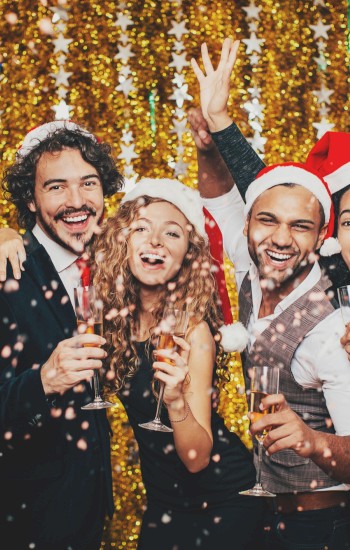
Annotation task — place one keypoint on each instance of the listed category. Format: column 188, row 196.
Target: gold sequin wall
column 123, row 70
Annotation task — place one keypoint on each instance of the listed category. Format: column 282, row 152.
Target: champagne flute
column 174, row 323
column 264, row 381
column 344, row 302
column 88, row 310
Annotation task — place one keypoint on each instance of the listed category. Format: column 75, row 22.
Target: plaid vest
column 285, row 471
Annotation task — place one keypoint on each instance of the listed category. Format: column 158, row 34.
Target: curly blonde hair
column 194, row 285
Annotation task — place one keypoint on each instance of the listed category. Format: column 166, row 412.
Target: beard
column 80, row 237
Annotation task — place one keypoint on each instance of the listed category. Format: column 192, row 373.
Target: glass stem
column 258, row 471
column 97, row 386
column 160, row 401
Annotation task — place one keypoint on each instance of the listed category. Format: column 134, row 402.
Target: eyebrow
column 311, row 222
column 167, row 223
column 345, row 211
column 58, row 180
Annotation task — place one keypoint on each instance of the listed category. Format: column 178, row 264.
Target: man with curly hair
column 54, row 456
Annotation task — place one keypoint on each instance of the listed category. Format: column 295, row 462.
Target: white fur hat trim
column 330, row 246
column 288, row 174
column 234, row 337
column 186, row 199
column 40, row 133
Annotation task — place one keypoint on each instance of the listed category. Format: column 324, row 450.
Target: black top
column 165, row 477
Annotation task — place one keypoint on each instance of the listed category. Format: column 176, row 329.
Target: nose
column 282, row 236
column 155, row 239
column 75, row 197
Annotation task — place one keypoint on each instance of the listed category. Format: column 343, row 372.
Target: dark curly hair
column 19, row 179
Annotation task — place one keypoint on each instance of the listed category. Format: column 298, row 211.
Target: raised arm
column 242, row 161
column 12, row 250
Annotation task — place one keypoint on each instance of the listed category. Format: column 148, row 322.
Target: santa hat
column 330, row 158
column 188, row 201
column 38, row 134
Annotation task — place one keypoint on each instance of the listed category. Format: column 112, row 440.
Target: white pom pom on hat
column 38, row 134
column 234, row 336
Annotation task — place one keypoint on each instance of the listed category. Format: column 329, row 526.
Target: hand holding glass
column 174, row 323
column 344, row 302
column 88, row 310
column 264, row 381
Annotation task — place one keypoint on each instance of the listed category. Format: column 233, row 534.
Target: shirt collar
column 312, row 278
column 60, row 256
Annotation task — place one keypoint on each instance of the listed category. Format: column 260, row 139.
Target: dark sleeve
column 242, row 161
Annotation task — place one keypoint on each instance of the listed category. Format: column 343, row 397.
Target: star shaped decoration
column 62, row 110
column 321, row 61
column 258, row 142
column 180, row 149
column 122, row 6
column 319, row 3
column 179, row 61
column 126, row 86
column 255, row 124
column 127, row 137
column 61, row 59
column 254, row 108
column 323, row 110
column 125, row 70
column 323, row 94
column 179, row 113
column 180, row 167
column 128, row 153
column 124, row 38
column 178, row 46
column 123, row 21
column 255, row 91
column 320, row 30
column 253, row 26
column 61, row 43
column 322, row 127
column 59, row 13
column 179, row 127
column 253, row 43
column 254, row 59
column 252, row 11
column 124, row 53
column 62, row 93
column 179, row 79
column 180, row 95
column 178, row 29
column 61, row 77
column 61, row 27
column 321, row 45
column 129, row 183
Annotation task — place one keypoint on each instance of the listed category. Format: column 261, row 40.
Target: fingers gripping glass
column 174, row 323
column 88, row 310
column 264, row 381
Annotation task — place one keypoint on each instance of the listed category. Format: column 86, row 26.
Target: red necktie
column 84, row 269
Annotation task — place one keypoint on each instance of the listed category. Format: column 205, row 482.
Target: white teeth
column 277, row 256
column 76, row 219
column 152, row 257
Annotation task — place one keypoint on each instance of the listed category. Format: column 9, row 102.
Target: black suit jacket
column 55, row 466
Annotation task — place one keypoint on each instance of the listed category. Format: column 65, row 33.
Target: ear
column 246, row 224
column 31, row 206
column 321, row 235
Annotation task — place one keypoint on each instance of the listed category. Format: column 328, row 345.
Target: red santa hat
column 39, row 133
column 234, row 336
column 330, row 158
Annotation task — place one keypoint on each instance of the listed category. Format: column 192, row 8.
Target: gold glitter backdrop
column 122, row 69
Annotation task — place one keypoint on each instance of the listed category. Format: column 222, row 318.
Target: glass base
column 257, row 491
column 156, row 425
column 99, row 404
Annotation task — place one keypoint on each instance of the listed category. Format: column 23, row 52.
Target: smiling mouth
column 152, row 259
column 278, row 256
column 71, row 220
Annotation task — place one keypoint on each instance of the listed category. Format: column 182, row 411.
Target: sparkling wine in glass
column 88, row 310
column 344, row 302
column 264, row 381
column 174, row 323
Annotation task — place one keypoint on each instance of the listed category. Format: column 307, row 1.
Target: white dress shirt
column 62, row 259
